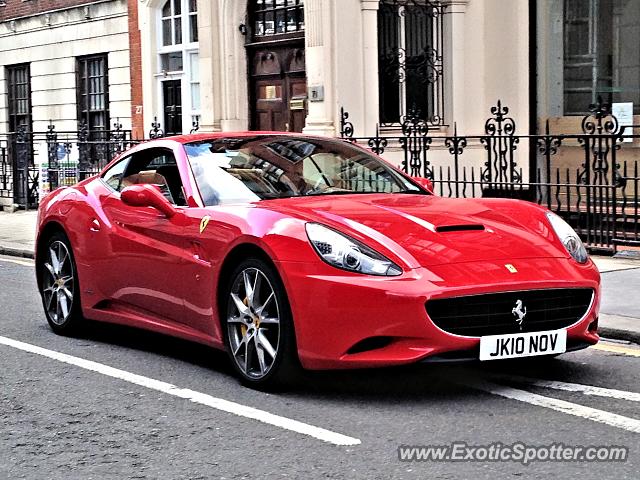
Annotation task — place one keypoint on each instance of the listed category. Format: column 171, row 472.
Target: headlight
column 348, row 254
column 568, row 237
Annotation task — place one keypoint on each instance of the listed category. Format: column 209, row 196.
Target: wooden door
column 279, row 89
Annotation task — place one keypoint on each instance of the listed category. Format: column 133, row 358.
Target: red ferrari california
column 287, row 250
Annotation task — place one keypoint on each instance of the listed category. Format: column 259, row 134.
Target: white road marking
column 600, row 416
column 192, row 395
column 24, row 263
column 573, row 387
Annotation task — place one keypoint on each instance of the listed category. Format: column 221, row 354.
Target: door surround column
column 319, row 44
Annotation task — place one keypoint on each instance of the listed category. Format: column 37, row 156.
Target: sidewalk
column 619, row 311
column 17, row 233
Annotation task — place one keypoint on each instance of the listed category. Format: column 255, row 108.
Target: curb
column 16, row 252
column 619, row 334
column 628, row 254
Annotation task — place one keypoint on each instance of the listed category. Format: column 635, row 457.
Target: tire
column 258, row 327
column 58, row 284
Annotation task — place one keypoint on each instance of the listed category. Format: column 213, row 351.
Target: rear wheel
column 259, row 329
column 59, row 285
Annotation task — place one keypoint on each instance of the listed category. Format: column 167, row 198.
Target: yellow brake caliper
column 243, row 328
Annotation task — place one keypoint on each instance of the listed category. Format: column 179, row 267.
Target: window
column 19, row 90
column 172, row 23
column 93, row 92
column 113, row 176
column 232, row 170
column 274, row 17
column 194, row 83
column 179, row 23
column 193, row 20
column 601, row 54
column 410, row 58
column 154, row 166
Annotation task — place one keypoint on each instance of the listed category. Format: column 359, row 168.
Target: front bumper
column 345, row 320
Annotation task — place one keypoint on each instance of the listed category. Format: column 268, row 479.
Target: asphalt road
column 83, row 421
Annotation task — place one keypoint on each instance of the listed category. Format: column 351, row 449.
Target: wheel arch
column 234, row 257
column 47, row 231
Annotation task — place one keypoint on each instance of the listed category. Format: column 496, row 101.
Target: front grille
column 492, row 313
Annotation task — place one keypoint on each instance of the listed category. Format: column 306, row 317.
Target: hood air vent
column 458, row 228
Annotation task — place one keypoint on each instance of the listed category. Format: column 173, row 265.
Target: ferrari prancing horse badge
column 204, row 222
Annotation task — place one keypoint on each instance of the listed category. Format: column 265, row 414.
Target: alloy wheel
column 58, row 283
column 253, row 323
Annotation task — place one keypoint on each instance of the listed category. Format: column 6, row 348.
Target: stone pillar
column 233, row 75
column 456, row 79
column 146, row 22
column 209, row 64
column 370, row 101
column 319, row 37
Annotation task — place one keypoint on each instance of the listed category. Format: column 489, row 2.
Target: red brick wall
column 135, row 57
column 20, row 8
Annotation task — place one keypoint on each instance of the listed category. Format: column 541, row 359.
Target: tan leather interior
column 145, row 176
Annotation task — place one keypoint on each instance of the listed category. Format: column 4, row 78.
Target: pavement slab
column 17, row 233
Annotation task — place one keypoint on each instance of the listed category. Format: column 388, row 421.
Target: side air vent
column 368, row 344
column 458, row 228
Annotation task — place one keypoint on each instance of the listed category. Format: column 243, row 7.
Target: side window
column 157, row 167
column 113, row 176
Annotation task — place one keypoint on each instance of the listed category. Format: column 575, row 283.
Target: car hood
column 427, row 230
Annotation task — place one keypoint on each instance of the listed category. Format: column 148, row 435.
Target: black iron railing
column 35, row 162
column 589, row 178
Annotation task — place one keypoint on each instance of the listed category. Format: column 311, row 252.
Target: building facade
column 298, row 65
column 66, row 61
column 68, row 65
column 293, row 64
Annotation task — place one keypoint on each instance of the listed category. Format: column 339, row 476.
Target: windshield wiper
column 336, row 192
column 342, row 192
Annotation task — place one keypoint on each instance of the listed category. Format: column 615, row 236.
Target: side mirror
column 424, row 182
column 146, row 195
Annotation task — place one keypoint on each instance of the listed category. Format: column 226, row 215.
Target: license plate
column 495, row 347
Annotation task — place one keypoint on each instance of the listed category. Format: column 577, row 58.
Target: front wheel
column 259, row 328
column 59, row 285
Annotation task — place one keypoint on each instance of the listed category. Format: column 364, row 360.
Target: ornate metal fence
column 18, row 174
column 589, row 178
column 34, row 162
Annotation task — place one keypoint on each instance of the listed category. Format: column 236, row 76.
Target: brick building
column 69, row 61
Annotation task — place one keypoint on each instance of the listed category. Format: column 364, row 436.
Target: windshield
column 247, row 169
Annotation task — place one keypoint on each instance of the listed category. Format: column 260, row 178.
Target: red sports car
column 289, row 250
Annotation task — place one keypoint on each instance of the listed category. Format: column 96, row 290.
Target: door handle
column 199, row 252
